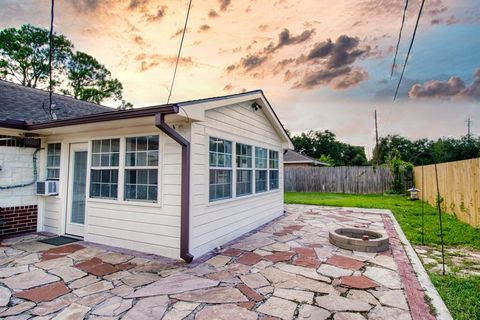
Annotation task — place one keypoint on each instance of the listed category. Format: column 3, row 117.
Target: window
column 244, row 169
column 261, row 169
column 104, row 169
column 53, row 161
column 141, row 168
column 273, row 169
column 220, row 164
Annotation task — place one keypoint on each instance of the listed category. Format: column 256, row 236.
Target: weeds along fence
column 459, row 184
column 339, row 179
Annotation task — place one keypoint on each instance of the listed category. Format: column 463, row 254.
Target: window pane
column 103, row 183
column 220, row 184
column 53, row 160
column 115, row 145
column 152, row 158
column 153, row 143
column 114, row 160
column 261, row 158
column 261, row 180
column 244, row 182
column 244, row 156
column 142, row 144
column 141, row 184
column 95, row 160
column 152, row 193
column 105, row 146
column 220, row 153
column 273, row 159
column 131, row 144
column 273, row 179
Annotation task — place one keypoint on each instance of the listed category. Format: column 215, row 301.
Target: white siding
column 215, row 223
column 152, row 228
column 17, row 168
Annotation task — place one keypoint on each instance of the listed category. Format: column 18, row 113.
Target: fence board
column 459, row 187
column 338, row 179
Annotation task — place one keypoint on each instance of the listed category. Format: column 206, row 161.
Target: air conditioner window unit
column 47, row 188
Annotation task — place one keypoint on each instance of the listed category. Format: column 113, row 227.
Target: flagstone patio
column 285, row 270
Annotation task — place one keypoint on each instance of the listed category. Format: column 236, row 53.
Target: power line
column 409, row 49
column 399, row 38
column 50, row 57
column 179, row 51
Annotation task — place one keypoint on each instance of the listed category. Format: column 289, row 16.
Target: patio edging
column 424, row 279
column 442, row 311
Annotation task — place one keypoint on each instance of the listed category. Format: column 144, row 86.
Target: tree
column 24, row 55
column 324, row 143
column 24, row 58
column 89, row 80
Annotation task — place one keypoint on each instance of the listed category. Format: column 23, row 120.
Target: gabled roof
column 21, row 108
column 295, row 157
column 22, row 103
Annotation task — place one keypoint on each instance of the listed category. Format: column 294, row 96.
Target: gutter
column 185, row 190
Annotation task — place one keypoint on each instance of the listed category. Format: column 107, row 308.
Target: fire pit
column 359, row 240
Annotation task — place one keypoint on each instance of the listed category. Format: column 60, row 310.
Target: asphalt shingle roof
column 293, row 156
column 18, row 102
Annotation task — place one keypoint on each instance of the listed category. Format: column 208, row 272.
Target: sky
column 322, row 64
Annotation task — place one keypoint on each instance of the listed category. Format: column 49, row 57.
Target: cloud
column 86, row 6
column 453, row 88
column 263, row 27
column 138, row 40
column 224, row 4
column 161, row 12
column 204, row 28
column 177, row 33
column 320, row 77
column 149, row 61
column 350, row 79
column 213, row 14
column 254, row 60
column 228, row 87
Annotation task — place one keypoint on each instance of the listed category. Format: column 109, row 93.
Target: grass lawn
column 461, row 294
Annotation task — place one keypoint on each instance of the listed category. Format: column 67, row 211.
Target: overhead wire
column 399, row 38
column 409, row 49
column 50, row 58
column 179, row 51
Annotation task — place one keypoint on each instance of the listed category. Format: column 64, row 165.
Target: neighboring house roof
column 292, row 157
column 22, row 103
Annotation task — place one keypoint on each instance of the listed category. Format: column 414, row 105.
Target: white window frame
column 53, row 167
column 277, row 169
column 102, row 168
column 257, row 169
column 224, row 168
column 135, row 167
column 247, row 169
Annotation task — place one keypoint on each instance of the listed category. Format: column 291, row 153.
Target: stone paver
column 212, row 295
column 44, row 293
column 277, row 307
column 254, row 280
column 29, row 280
column 225, row 312
column 338, row 303
column 175, row 283
column 5, row 295
column 72, row 312
column 285, row 270
column 294, row 295
column 310, row 312
column 148, row 308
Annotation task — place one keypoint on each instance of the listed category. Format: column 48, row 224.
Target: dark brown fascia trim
column 185, row 189
column 106, row 116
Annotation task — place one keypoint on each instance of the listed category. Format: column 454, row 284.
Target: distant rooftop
column 295, row 157
column 18, row 102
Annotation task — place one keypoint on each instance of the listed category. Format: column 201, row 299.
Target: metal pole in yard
column 440, row 218
column 423, row 208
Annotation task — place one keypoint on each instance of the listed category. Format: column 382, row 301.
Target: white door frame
column 75, row 229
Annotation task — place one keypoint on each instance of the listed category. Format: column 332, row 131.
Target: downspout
column 185, row 190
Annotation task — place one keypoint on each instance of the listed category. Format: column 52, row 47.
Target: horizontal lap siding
column 214, row 224
column 143, row 227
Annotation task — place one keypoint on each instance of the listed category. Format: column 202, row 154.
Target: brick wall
column 15, row 220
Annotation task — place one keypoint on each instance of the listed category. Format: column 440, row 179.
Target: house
column 293, row 159
column 176, row 180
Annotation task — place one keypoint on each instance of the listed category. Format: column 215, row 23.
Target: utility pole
column 376, row 140
column 469, row 123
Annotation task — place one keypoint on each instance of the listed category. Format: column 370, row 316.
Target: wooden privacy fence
column 459, row 187
column 338, row 179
